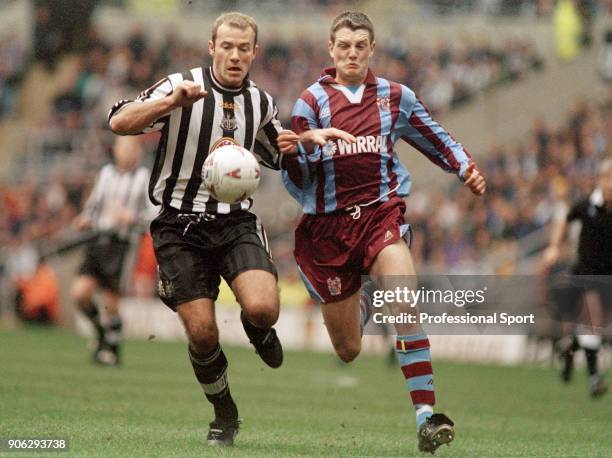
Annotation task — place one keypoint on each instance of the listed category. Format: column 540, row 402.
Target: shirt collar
column 231, row 90
column 328, row 76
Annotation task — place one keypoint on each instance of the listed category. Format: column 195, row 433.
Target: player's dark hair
column 234, row 19
column 353, row 20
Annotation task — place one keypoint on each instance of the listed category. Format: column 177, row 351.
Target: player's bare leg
column 593, row 309
column 257, row 293
column 412, row 348
column 343, row 326
column 82, row 293
column 210, row 367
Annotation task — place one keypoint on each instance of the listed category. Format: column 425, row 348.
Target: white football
column 231, row 174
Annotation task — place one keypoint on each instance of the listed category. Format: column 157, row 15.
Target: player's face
column 232, row 53
column 605, row 183
column 127, row 151
column 351, row 52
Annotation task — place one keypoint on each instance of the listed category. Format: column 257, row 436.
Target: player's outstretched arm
column 288, row 140
column 552, row 253
column 320, row 137
column 133, row 118
column 474, row 180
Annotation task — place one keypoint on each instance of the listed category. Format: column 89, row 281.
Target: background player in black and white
column 197, row 240
column 117, row 211
column 592, row 274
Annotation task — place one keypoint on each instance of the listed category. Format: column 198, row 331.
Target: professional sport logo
column 223, row 141
column 329, row 149
column 384, row 103
column 334, row 285
column 229, row 124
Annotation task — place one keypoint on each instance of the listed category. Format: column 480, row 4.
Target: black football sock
column 254, row 333
column 211, row 371
column 591, row 357
column 91, row 312
column 112, row 333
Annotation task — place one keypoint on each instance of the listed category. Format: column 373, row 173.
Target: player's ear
column 256, row 51
column 372, row 47
column 211, row 48
column 330, row 46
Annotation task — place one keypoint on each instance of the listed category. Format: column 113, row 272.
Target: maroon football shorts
column 333, row 251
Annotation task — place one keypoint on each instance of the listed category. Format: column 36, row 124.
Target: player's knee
column 80, row 295
column 203, row 337
column 262, row 314
column 348, row 352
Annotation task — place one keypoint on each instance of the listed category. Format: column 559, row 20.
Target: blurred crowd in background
column 444, row 76
column 13, row 65
column 528, row 185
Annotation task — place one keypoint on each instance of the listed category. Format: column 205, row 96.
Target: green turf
column 310, row 407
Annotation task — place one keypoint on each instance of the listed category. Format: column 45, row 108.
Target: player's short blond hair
column 353, row 20
column 234, row 19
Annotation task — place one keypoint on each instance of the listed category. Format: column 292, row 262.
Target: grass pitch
column 152, row 406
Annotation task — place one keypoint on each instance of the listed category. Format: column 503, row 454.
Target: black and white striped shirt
column 246, row 116
column 114, row 193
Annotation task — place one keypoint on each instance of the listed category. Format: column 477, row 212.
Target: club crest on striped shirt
column 229, row 123
column 384, row 103
column 335, row 286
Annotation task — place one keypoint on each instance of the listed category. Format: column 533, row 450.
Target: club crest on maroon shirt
column 384, row 103
column 335, row 286
column 329, row 149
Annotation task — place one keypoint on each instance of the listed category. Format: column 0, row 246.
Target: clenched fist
column 187, row 93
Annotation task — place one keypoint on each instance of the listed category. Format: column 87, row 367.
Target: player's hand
column 127, row 217
column 287, row 141
column 322, row 136
column 550, row 256
column 82, row 223
column 187, row 93
column 474, row 180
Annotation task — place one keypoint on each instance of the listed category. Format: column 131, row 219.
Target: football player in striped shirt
column 116, row 213
column 197, row 239
column 352, row 196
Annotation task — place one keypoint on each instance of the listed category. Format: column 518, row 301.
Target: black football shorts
column 194, row 250
column 104, row 260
